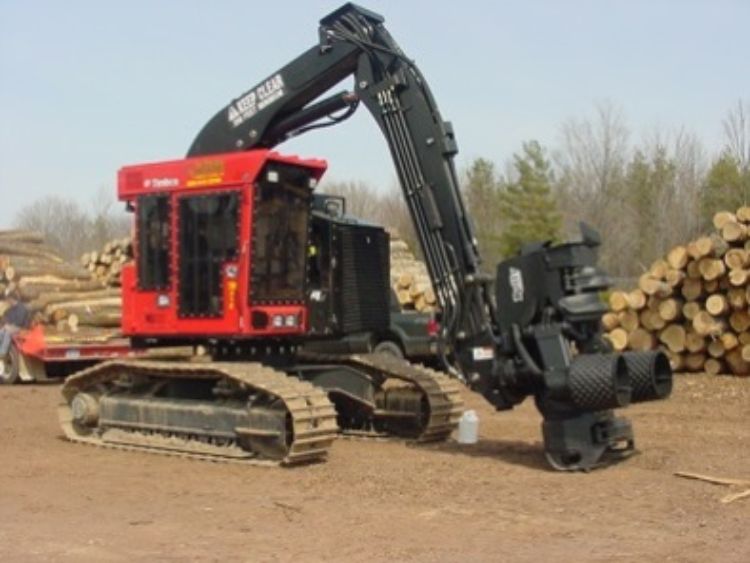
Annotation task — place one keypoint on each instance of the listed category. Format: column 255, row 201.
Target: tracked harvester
column 236, row 252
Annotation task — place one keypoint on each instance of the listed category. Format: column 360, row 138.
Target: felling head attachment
column 547, row 283
column 550, row 311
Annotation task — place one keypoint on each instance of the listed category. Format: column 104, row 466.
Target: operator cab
column 229, row 247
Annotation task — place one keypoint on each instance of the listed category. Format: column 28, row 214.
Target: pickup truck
column 411, row 335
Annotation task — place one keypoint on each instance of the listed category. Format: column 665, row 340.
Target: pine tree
column 726, row 187
column 482, row 193
column 527, row 205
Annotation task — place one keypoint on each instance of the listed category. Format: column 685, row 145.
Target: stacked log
column 106, row 264
column 694, row 303
column 59, row 294
column 409, row 278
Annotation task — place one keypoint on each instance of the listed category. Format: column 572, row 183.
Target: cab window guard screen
column 280, row 221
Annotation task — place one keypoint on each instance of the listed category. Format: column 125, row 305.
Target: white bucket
column 468, row 428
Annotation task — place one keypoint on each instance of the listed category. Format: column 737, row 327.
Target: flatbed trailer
column 40, row 354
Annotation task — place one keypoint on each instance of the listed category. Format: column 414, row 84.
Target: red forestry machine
column 236, row 252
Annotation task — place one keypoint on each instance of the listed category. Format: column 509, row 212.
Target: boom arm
column 354, row 42
column 547, row 296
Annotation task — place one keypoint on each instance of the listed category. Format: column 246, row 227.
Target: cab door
column 208, row 259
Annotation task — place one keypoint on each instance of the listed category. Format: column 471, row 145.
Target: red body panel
column 155, row 313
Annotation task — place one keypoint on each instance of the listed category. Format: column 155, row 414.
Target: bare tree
column 591, row 161
column 594, row 151
column 394, row 214
column 108, row 221
column 65, row 225
column 361, row 199
column 70, row 229
column 678, row 204
column 736, row 126
column 691, row 165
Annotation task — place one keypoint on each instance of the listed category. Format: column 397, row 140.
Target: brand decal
column 515, row 278
column 255, row 100
column 161, row 183
column 482, row 353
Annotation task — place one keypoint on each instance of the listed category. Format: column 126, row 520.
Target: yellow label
column 232, row 294
column 205, row 173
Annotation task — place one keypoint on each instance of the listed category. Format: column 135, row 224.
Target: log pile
column 409, row 278
column 106, row 264
column 694, row 303
column 59, row 294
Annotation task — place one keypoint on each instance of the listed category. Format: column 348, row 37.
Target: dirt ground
column 385, row 501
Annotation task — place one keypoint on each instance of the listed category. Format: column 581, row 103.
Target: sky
column 89, row 86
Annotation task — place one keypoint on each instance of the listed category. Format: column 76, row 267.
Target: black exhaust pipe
column 650, row 375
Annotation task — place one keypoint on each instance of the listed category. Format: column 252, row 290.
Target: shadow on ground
column 509, row 451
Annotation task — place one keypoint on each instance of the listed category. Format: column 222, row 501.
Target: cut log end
column 618, row 338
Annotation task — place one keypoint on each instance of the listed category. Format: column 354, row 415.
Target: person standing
column 15, row 318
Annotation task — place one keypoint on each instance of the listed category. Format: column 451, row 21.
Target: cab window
column 153, row 225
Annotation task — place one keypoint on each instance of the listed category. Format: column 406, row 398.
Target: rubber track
column 313, row 415
column 442, row 392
